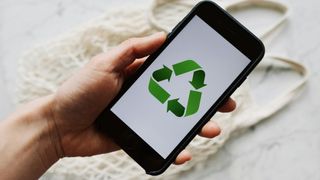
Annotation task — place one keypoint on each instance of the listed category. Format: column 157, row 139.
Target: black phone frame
column 135, row 146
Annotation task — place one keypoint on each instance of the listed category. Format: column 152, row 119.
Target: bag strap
column 277, row 6
column 154, row 22
column 233, row 6
column 263, row 112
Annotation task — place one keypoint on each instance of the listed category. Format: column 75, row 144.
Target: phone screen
column 180, row 86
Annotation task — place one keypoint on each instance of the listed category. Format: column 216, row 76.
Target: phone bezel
column 135, row 146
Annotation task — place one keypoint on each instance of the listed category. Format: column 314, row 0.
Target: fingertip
column 161, row 36
column 228, row 106
column 210, row 130
column 183, row 157
column 162, row 33
column 136, row 47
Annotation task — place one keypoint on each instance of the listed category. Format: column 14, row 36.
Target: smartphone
column 205, row 58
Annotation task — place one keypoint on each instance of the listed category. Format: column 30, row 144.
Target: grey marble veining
column 285, row 146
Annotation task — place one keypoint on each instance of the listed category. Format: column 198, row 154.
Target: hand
column 79, row 101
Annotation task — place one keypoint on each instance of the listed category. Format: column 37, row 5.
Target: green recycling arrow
column 158, row 92
column 162, row 95
column 198, row 79
column 193, row 102
column 175, row 107
column 184, row 67
column 162, row 74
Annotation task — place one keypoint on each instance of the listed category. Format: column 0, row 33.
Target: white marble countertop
column 286, row 146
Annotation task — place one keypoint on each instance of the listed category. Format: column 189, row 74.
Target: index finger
column 228, row 106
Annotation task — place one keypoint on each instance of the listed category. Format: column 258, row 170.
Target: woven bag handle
column 263, row 112
column 233, row 6
column 274, row 5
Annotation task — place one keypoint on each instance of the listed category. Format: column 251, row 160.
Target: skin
column 60, row 125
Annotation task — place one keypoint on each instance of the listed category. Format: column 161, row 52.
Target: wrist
column 49, row 139
column 31, row 143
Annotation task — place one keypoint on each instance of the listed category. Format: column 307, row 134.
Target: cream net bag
column 45, row 67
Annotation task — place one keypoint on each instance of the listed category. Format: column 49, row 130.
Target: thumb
column 124, row 54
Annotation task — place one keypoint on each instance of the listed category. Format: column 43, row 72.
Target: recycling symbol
column 173, row 105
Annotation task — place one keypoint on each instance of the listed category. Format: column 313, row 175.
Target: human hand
column 79, row 101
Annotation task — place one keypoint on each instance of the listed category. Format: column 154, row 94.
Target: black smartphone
column 181, row 86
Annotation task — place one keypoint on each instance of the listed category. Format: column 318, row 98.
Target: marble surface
column 286, row 146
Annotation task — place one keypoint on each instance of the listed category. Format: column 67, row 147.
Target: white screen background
column 145, row 115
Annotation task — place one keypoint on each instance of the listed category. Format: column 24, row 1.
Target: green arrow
column 193, row 102
column 198, row 79
column 185, row 66
column 157, row 91
column 162, row 74
column 175, row 107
